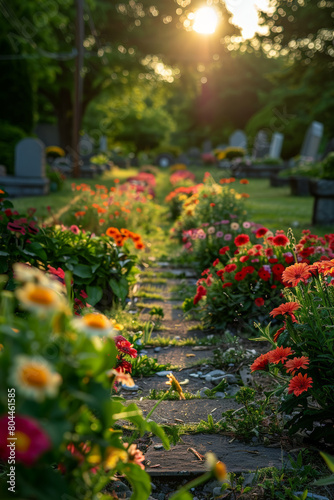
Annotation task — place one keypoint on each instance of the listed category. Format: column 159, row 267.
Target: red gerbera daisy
column 280, row 354
column 278, row 333
column 281, row 240
column 223, row 250
column 226, row 285
column 299, row 384
column 230, row 268
column 292, row 365
column 296, row 273
column 287, row 308
column 261, row 232
column 239, row 276
column 260, row 363
column 241, row 239
column 259, row 302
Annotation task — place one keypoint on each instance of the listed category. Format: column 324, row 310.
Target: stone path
column 193, row 367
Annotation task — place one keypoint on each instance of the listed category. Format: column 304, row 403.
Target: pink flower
column 31, row 441
column 219, row 234
column 228, row 237
column 74, row 229
column 16, row 228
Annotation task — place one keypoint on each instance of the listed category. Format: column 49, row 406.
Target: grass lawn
column 275, row 208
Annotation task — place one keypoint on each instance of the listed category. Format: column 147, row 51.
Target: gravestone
column 261, row 145
column 29, row 178
column 238, row 139
column 103, row 144
column 3, row 171
column 207, row 146
column 164, row 160
column 276, row 145
column 86, row 146
column 64, row 165
column 183, row 158
column 312, row 141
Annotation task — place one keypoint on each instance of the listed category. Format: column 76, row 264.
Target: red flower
column 225, row 285
column 281, row 240
column 223, row 250
column 260, row 363
column 125, row 346
column 244, row 258
column 287, row 308
column 299, row 384
column 8, row 212
column 16, row 228
column 292, row 365
column 259, row 302
column 280, row 354
column 269, row 252
column 264, row 275
column 230, row 268
column 249, row 269
column 240, row 275
column 296, row 273
column 216, row 262
column 273, row 261
column 212, row 204
column 83, row 294
column 261, row 232
column 220, row 272
column 278, row 269
column 124, row 366
column 241, row 239
column 278, row 333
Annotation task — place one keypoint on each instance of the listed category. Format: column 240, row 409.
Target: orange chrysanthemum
column 296, row 273
column 260, row 363
column 280, row 354
column 292, row 365
column 287, row 308
column 244, row 181
column 299, row 384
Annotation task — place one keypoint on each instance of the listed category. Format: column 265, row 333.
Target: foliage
column 303, row 357
column 97, row 264
column 247, row 283
column 56, row 178
column 56, row 371
column 144, row 366
column 230, row 153
column 10, row 135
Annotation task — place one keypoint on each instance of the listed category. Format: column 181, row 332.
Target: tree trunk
column 64, row 113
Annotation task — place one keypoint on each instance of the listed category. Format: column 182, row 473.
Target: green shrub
column 9, row 137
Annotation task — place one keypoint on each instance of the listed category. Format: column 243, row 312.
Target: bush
column 302, row 349
column 57, row 374
column 9, row 137
column 328, row 167
column 247, row 282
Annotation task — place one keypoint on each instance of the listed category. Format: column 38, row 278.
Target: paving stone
column 189, row 411
column 179, row 356
column 237, row 456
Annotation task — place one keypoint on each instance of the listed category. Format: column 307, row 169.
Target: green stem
column 194, row 483
column 157, row 404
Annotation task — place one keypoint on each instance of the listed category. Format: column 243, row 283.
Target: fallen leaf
column 190, row 355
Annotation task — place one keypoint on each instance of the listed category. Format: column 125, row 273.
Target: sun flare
column 205, row 21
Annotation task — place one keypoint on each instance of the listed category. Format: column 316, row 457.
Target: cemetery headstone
column 207, row 146
column 276, row 145
column 103, row 144
column 238, row 139
column 164, row 160
column 261, row 145
column 3, row 171
column 29, row 178
column 64, row 165
column 312, row 141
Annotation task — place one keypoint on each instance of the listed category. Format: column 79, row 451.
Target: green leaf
column 139, row 480
column 182, row 495
column 158, row 431
column 329, row 460
column 325, row 481
column 120, row 288
column 94, row 294
column 36, row 249
column 82, row 271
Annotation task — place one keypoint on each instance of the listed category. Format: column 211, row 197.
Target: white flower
column 34, row 377
column 94, row 324
column 39, row 298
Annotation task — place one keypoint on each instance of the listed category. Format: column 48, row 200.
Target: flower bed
column 243, row 284
column 302, row 355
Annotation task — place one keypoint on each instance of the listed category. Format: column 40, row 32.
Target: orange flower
column 280, row 354
column 112, row 231
column 244, row 195
column 116, row 181
column 299, row 384
column 81, row 213
column 244, row 181
column 296, row 273
column 292, row 365
column 287, row 308
column 139, row 246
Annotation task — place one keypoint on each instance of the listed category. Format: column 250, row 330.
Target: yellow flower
column 124, row 378
column 55, row 149
column 113, row 456
column 94, row 324
column 116, row 325
column 173, row 382
column 34, row 377
column 39, row 298
column 218, row 468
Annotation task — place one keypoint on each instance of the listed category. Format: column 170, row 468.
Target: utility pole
column 78, row 85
